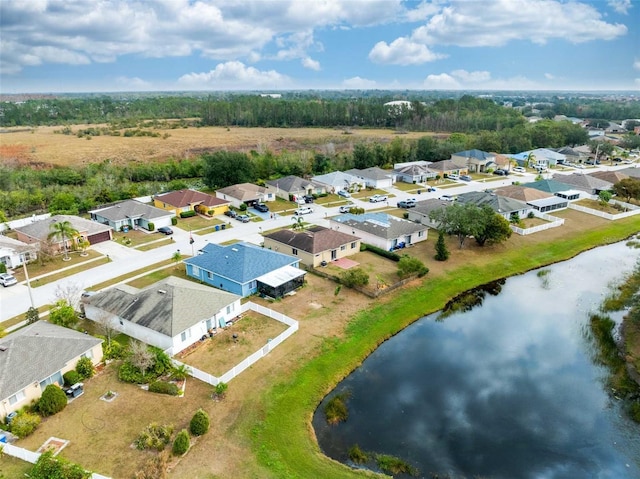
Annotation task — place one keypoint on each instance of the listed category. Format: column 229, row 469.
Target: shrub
column 243, row 207
column 154, row 436
column 531, row 215
column 408, row 266
column 128, row 373
column 115, row 350
column 24, row 424
column 220, row 391
column 354, row 277
column 336, row 410
column 71, row 378
column 52, row 401
column 84, row 367
column 181, row 443
column 174, row 221
column 49, row 467
column 32, row 315
column 380, row 251
column 151, row 226
column 393, row 465
column 199, row 423
column 187, row 214
column 3, row 268
column 163, row 387
column 357, row 455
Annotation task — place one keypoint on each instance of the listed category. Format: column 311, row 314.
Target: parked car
column 447, row 198
column 520, row 169
column 465, row 178
column 243, row 218
column 344, row 194
column 431, row 189
column 345, row 208
column 308, row 198
column 7, row 280
column 378, row 198
column 87, row 294
column 406, row 204
column 305, row 210
column 500, row 172
column 453, row 177
column 165, row 230
column 261, row 207
column 231, row 213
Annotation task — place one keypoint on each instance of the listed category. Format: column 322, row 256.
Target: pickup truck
column 378, row 198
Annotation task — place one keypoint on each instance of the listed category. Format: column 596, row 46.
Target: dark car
column 501, row 172
column 231, row 213
column 406, row 204
column 465, row 178
column 165, row 230
column 261, row 207
column 308, row 199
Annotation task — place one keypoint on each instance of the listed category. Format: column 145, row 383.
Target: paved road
column 15, row 300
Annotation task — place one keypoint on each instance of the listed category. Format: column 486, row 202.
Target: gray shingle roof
column 15, row 245
column 244, row 191
column 292, row 183
column 131, row 209
column 36, row 352
column 380, row 224
column 499, row 204
column 477, row 154
column 314, row 240
column 445, row 165
column 427, row 206
column 169, row 306
column 372, row 173
column 583, row 182
column 41, row 229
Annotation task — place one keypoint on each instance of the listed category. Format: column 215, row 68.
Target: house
column 13, row 252
column 477, row 161
column 587, row 183
column 245, row 193
column 632, row 172
column 447, row 167
column 563, row 190
column 538, row 200
column 292, row 188
column 339, row 180
column 612, row 177
column 132, row 214
column 190, row 200
column 539, row 158
column 171, row 314
column 503, row 205
column 373, row 177
column 420, row 214
column 245, row 269
column 414, row 173
column 37, row 355
column 314, row 245
column 380, row 229
column 38, row 231
column 572, row 155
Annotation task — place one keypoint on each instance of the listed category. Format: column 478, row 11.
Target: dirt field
column 42, row 146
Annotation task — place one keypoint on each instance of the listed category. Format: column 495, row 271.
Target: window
column 209, row 275
column 17, row 397
column 294, row 251
column 88, row 354
column 195, row 270
column 343, row 247
column 353, row 245
column 420, row 234
column 53, row 379
column 253, row 284
column 230, row 308
column 185, row 334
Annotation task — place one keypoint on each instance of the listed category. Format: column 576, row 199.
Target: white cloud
column 620, row 6
column 134, row 83
column 402, row 51
column 471, row 77
column 636, row 64
column 357, row 83
column 443, row 81
column 311, row 64
column 637, row 81
column 549, row 76
column 234, row 75
column 478, row 80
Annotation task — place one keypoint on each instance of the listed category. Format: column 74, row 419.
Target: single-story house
column 448, row 167
column 503, row 205
column 539, row 158
column 13, row 252
column 314, row 245
column 475, row 160
column 37, row 355
column 563, row 190
column 190, row 200
column 246, row 193
column 420, row 214
column 38, row 231
column 245, row 269
column 612, row 176
column 373, row 177
column 380, row 229
column 541, row 201
column 132, row 214
column 171, row 314
column 292, row 188
column 632, row 172
column 572, row 155
column 590, row 184
column 339, row 180
column 414, row 173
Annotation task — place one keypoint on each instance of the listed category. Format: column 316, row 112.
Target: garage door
column 99, row 237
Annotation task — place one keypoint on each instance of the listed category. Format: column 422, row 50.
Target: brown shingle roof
column 610, row 176
column 314, row 240
column 522, row 193
column 182, row 198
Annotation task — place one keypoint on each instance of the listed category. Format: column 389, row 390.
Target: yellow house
column 191, row 200
column 313, row 246
column 50, row 351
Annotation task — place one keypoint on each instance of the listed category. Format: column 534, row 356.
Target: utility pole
column 23, row 256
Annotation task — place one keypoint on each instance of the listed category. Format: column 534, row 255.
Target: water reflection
column 470, row 299
column 506, row 390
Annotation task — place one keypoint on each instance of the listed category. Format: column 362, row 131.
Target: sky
column 168, row 45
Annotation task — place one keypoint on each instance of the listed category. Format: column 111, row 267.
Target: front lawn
column 55, row 263
column 197, row 222
column 134, row 237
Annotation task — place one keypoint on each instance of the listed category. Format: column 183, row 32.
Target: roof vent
column 162, row 291
column 234, row 249
column 3, row 348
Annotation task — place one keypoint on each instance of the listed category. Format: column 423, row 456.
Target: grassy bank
column 280, row 425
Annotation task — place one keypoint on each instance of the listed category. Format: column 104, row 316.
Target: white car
column 345, row 208
column 519, row 169
column 305, row 210
column 7, row 279
column 378, row 198
column 344, row 194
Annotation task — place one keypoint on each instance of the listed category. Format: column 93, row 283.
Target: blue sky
column 158, row 45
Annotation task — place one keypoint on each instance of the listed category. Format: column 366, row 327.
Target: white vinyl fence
column 260, row 353
column 631, row 210
column 552, row 222
column 24, row 221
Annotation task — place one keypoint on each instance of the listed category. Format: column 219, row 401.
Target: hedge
column 187, row 214
column 71, row 378
column 380, row 252
column 163, row 387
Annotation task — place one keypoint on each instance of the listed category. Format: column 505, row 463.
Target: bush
column 154, row 436
column 84, row 367
column 199, row 423
column 174, row 221
column 187, row 214
column 32, row 315
column 181, row 443
column 380, row 252
column 354, row 277
column 71, row 378
column 52, row 401
column 128, row 373
column 243, row 207
column 3, row 268
column 115, row 350
column 49, row 467
column 220, row 391
column 163, row 387
column 151, row 226
column 408, row 266
column 24, row 424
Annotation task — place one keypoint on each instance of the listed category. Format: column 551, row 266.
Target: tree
column 140, row 356
column 442, row 253
column 32, row 315
column 176, row 257
column 49, row 467
column 199, row 423
column 84, row 367
column 63, row 314
column 462, row 220
column 605, row 196
column 225, row 168
column 107, row 326
column 627, row 188
column 531, row 160
column 70, row 292
column 297, row 223
column 408, row 266
column 494, row 227
column 61, row 231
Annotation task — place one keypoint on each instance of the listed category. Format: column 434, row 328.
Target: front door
column 334, row 254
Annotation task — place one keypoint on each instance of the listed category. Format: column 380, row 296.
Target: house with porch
column 171, row 314
column 190, row 200
column 292, row 188
column 374, row 177
column 380, row 229
column 586, row 183
column 245, row 193
column 506, row 207
column 476, row 161
column 313, row 246
column 338, row 180
column 132, row 214
column 539, row 158
column 245, row 269
column 558, row 188
column 37, row 355
column 539, row 200
column 445, row 168
column 414, row 173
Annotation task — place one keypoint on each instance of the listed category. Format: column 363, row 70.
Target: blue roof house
column 245, row 269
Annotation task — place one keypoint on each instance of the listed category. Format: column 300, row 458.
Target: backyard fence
column 23, row 221
column 631, row 210
column 248, row 361
column 552, row 222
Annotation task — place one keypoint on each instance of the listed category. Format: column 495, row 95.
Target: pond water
column 507, row 389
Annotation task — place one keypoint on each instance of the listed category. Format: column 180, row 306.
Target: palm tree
column 61, row 230
column 531, row 158
column 297, row 223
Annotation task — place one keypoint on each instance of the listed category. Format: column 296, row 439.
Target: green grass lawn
column 35, row 268
column 196, row 223
column 63, row 274
column 123, row 277
column 134, row 238
column 155, row 244
column 155, row 276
